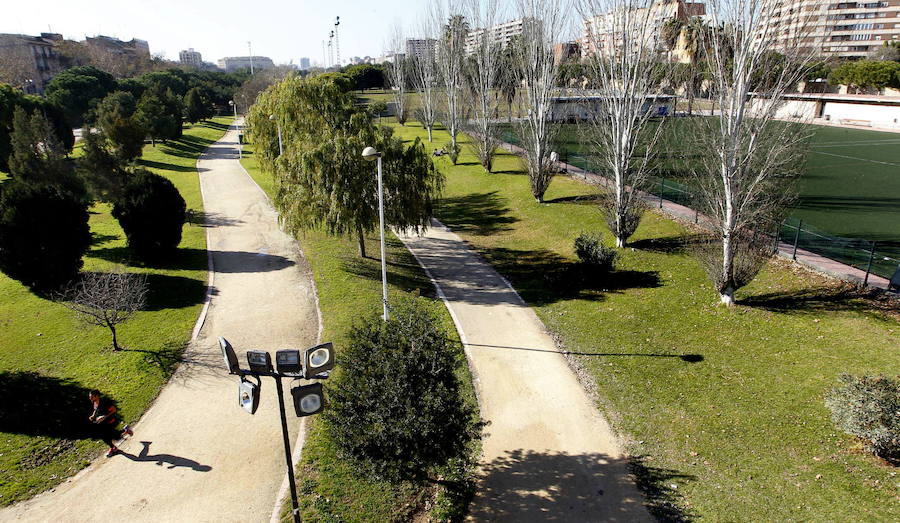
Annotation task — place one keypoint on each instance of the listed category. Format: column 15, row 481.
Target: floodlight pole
column 287, row 451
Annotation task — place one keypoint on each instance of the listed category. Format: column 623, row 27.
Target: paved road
column 548, row 454
column 195, row 455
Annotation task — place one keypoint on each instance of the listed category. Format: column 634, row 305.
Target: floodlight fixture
column 248, row 395
column 288, row 361
column 308, row 399
column 231, row 361
column 259, row 361
column 318, row 359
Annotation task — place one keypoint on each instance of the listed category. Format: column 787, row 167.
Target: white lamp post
column 370, row 154
column 278, row 124
column 234, row 106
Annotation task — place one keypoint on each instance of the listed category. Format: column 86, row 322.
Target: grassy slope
column 349, row 287
column 48, row 358
column 743, row 433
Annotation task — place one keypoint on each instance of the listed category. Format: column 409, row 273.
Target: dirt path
column 195, row 455
column 548, row 454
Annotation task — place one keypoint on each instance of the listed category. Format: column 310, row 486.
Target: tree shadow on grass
column 542, row 276
column 479, row 213
column 827, row 298
column 549, row 486
column 404, row 273
column 38, row 405
column 662, row 501
column 173, row 292
column 167, row 166
column 166, row 358
column 187, row 259
column 670, row 244
column 580, row 199
column 213, row 125
column 98, row 239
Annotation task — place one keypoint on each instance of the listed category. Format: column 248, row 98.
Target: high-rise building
column 836, row 29
column 501, row 34
column 190, row 57
column 600, row 33
column 420, row 47
column 234, row 63
column 304, row 63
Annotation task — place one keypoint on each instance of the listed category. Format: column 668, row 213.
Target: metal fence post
column 662, row 188
column 797, row 239
column 869, row 266
column 777, row 236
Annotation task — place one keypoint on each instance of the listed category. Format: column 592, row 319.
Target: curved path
column 196, row 456
column 548, row 455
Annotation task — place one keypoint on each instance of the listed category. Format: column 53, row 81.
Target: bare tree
column 17, row 66
column 424, row 74
column 107, row 299
column 397, row 72
column 483, row 78
column 543, row 22
column 452, row 29
column 624, row 67
column 750, row 157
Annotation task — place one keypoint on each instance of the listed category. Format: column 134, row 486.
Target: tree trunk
column 430, row 139
column 620, row 242
column 727, row 296
column 112, row 328
column 361, row 240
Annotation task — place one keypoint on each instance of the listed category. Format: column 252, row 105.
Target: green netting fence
column 880, row 258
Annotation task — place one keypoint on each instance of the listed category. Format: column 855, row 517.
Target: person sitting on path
column 105, row 417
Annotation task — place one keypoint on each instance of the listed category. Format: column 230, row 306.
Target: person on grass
column 105, row 418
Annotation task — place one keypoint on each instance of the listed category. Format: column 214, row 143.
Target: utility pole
column 250, row 49
column 337, row 41
column 324, row 56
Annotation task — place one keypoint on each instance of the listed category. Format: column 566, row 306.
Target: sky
column 282, row 30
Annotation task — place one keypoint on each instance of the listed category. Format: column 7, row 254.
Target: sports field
column 850, row 189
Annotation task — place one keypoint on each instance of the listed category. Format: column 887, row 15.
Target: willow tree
column 749, row 157
column 619, row 125
column 322, row 181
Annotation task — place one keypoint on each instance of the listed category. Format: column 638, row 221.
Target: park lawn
column 348, row 288
column 48, row 362
column 722, row 409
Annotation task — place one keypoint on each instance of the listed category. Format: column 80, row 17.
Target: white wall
column 879, row 115
column 804, row 109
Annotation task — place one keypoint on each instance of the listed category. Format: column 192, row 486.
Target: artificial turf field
column 850, row 188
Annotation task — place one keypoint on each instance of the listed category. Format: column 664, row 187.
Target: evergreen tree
column 195, row 107
column 160, row 113
column 117, row 119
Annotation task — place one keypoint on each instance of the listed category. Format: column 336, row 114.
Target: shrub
column 868, row 407
column 43, row 234
column 151, row 212
column 590, row 250
column 395, row 405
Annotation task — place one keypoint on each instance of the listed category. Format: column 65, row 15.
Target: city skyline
column 171, row 27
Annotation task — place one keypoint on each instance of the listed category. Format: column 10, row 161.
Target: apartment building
column 29, row 62
column 501, row 34
column 600, row 33
column 190, row 57
column 420, row 47
column 235, row 63
column 848, row 30
column 133, row 48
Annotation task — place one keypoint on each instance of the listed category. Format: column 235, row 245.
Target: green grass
column 48, row 362
column 738, row 424
column 349, row 287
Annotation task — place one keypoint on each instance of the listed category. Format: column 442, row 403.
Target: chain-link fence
column 879, row 258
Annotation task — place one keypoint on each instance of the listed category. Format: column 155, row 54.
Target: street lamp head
column 231, row 102
column 370, row 154
column 271, row 117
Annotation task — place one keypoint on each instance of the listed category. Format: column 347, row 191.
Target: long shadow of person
column 169, row 459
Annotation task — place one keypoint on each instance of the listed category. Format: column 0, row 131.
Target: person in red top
column 105, row 417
